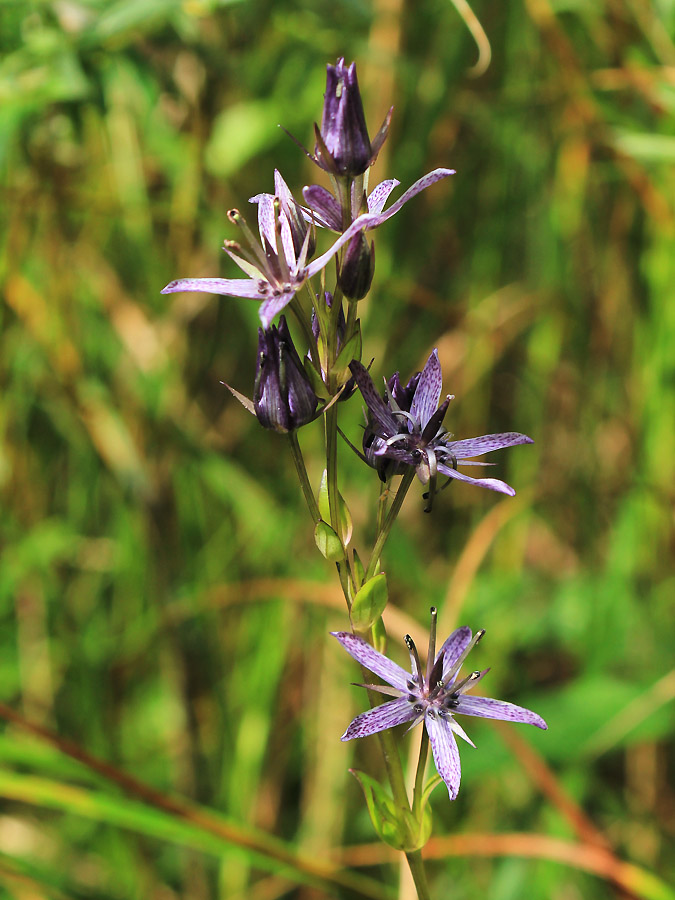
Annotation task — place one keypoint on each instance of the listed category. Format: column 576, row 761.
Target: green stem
column 343, row 567
column 416, row 864
column 301, row 469
column 419, row 776
column 406, row 481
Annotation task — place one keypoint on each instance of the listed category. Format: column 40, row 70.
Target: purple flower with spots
column 405, row 429
column 277, row 265
column 435, row 695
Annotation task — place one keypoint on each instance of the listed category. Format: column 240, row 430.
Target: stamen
column 447, row 680
column 433, row 426
column 260, row 260
column 414, row 660
column 431, row 654
column 465, row 683
column 433, row 476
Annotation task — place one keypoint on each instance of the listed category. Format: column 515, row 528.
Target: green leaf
column 380, row 636
column 350, row 351
column 369, row 603
column 346, row 526
column 316, row 381
column 191, row 826
column 382, row 810
column 359, row 571
column 328, row 542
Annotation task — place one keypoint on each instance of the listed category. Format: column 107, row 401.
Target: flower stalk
column 403, row 436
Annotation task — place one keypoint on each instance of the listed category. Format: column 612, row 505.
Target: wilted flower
column 342, row 144
column 406, row 430
column 283, row 398
column 435, row 695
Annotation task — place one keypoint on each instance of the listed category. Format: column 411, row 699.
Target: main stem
column 394, row 510
column 418, row 873
column 303, row 478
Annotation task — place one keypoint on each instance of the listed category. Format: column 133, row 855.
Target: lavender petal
column 444, row 749
column 424, row 182
column 428, row 392
column 247, row 288
column 378, row 196
column 273, row 305
column 487, row 708
column 459, row 731
column 486, row 443
column 370, row 220
column 492, row 484
column 387, row 715
column 377, row 662
column 453, row 647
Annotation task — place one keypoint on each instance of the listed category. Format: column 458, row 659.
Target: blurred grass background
column 161, row 601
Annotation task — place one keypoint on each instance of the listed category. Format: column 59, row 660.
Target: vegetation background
column 163, row 610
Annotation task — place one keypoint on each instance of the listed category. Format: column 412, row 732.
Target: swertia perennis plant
column 312, row 376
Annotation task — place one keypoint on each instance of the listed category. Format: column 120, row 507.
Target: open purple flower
column 276, row 265
column 435, row 695
column 405, row 429
column 276, row 269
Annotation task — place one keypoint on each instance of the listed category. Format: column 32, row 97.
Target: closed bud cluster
column 283, row 398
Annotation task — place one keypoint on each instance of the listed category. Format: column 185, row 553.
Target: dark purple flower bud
column 358, row 267
column 342, row 144
column 403, row 396
column 283, row 398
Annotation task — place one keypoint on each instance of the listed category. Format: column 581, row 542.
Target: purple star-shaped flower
column 276, row 266
column 406, row 429
column 435, row 695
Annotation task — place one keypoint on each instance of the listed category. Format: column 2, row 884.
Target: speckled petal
column 374, row 220
column 266, row 219
column 376, row 405
column 424, row 182
column 453, row 647
column 230, row 287
column 428, row 392
column 370, row 658
column 444, row 748
column 379, row 195
column 492, row 484
column 486, row 444
column 273, row 306
column 388, row 715
column 487, row 708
